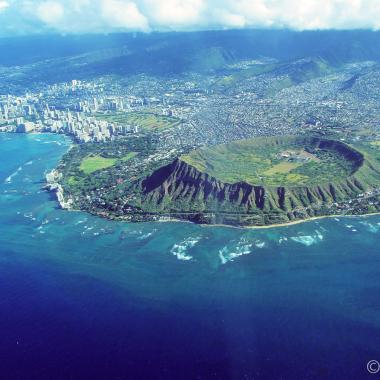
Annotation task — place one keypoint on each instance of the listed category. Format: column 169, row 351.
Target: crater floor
column 280, row 161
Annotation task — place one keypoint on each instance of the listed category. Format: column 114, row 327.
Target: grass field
column 129, row 156
column 144, row 120
column 262, row 162
column 281, row 168
column 91, row 164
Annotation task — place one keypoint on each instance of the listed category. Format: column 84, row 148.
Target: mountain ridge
column 181, row 189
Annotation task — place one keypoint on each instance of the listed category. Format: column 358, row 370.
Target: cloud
column 308, row 14
column 175, row 13
column 50, row 12
column 3, row 5
column 123, row 14
column 229, row 19
column 79, row 16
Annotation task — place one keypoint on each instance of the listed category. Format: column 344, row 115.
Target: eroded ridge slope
column 261, row 181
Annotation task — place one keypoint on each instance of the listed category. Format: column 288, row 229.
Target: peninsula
column 253, row 182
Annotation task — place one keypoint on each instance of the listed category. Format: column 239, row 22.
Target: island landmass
column 254, row 182
column 242, row 133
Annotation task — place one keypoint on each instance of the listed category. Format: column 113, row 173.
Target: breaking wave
column 374, row 228
column 180, row 250
column 52, row 142
column 9, row 179
column 146, row 235
column 243, row 247
column 308, row 240
column 260, row 244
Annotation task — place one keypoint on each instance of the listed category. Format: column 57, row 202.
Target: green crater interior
column 277, row 161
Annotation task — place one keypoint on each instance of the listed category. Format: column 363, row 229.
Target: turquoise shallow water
column 87, row 298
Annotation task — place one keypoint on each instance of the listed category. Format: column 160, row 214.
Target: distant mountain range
column 55, row 58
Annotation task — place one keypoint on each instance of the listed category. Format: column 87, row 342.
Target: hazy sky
column 77, row 16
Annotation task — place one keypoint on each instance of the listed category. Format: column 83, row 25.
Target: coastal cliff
column 53, row 185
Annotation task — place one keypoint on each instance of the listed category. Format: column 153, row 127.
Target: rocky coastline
column 53, row 185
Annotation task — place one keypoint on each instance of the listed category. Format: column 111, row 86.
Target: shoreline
column 55, row 187
column 292, row 223
column 204, row 225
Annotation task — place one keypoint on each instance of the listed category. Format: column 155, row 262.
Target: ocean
column 86, row 298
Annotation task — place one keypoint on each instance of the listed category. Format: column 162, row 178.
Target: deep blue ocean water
column 86, row 298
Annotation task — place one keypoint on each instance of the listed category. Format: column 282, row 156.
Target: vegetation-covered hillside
column 273, row 162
